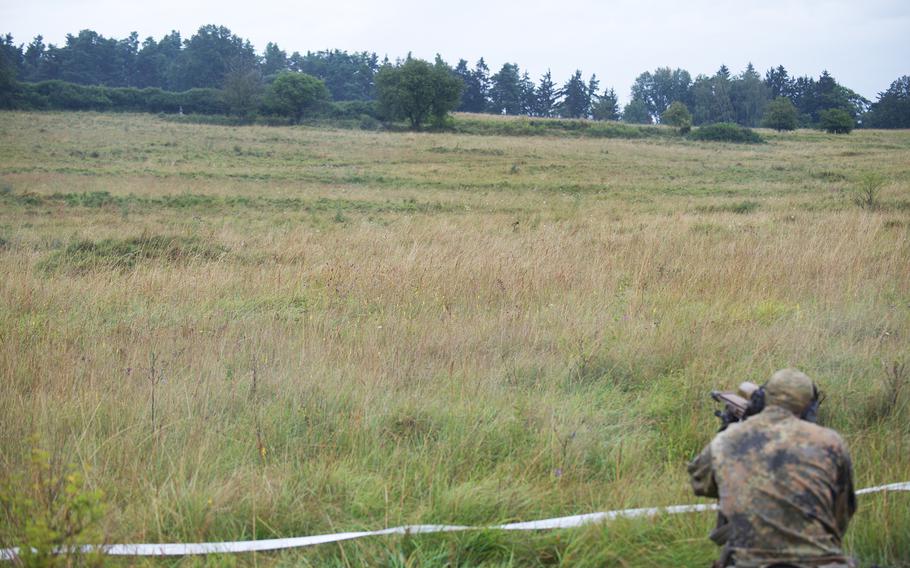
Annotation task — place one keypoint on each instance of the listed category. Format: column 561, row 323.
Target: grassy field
column 260, row 332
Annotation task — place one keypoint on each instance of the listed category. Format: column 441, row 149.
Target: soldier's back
column 785, row 487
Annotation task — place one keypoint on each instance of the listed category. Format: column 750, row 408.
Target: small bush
column 726, row 132
column 835, row 121
column 866, row 194
column 679, row 116
column 51, row 515
column 367, row 122
column 781, row 115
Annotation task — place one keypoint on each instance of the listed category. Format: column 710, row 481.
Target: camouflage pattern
column 785, row 488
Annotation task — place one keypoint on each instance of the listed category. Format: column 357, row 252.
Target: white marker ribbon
column 178, row 549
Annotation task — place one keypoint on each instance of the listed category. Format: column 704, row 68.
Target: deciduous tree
column 417, row 91
column 636, row 112
column 835, row 121
column 780, row 115
column 293, row 94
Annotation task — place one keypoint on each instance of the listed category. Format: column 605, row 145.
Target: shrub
column 679, row 116
column 353, row 109
column 726, row 132
column 835, row 121
column 202, row 101
column 69, row 96
column 866, row 193
column 295, row 94
column 51, row 515
column 781, row 115
column 367, row 122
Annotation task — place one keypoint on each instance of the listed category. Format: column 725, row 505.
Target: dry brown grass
column 540, row 343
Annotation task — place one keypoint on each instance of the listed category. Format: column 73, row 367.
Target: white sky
column 864, row 45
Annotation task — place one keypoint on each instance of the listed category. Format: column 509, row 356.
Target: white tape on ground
column 299, row 542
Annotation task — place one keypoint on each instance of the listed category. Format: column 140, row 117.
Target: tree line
column 219, row 66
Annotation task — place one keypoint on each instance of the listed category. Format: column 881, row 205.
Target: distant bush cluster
column 59, row 95
column 288, row 103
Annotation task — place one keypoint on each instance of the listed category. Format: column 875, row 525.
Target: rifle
column 749, row 400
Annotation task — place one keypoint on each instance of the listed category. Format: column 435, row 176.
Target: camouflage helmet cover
column 790, row 389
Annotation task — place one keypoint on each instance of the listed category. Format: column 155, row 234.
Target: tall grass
column 540, row 344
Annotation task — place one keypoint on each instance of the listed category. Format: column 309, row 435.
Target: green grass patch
column 123, row 254
column 101, row 199
column 525, row 126
column 739, row 208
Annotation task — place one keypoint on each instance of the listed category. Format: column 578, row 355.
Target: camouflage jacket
column 785, row 487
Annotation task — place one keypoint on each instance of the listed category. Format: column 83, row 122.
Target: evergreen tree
column 711, row 98
column 528, row 95
column 505, row 92
column 591, row 92
column 778, row 82
column 547, row 96
column 33, row 60
column 274, row 60
column 208, row 55
column 482, row 77
column 89, row 58
column 348, row 76
column 476, row 85
column 467, row 80
column 607, row 106
column 722, row 105
column 749, row 96
column 802, row 92
column 574, row 97
column 8, row 56
column 892, row 110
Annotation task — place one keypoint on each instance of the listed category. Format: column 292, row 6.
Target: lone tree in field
column 293, row 94
column 417, row 90
column 781, row 115
column 835, row 121
column 677, row 115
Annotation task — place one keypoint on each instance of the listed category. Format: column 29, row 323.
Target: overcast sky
column 865, row 45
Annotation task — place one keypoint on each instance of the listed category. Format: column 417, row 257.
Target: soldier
column 785, row 485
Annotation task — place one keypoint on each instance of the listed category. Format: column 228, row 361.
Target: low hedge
column 726, row 132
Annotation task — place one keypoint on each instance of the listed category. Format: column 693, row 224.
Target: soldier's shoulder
column 820, row 434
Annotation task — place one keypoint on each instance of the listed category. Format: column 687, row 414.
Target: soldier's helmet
column 790, row 389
